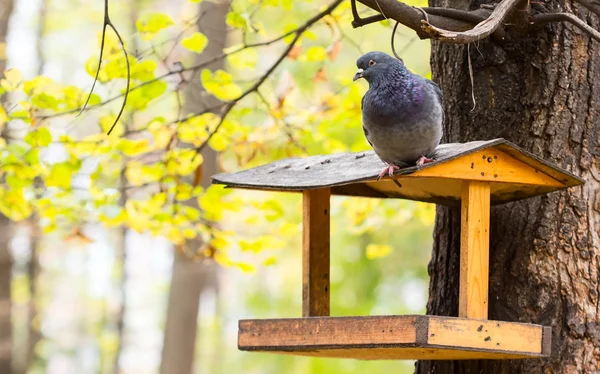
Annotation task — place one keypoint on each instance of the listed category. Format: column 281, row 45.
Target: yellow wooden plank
column 395, row 337
column 474, row 250
column 315, row 252
column 407, row 354
column 330, row 331
column 490, row 165
column 483, row 334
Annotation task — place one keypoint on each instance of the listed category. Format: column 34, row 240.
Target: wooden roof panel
column 354, row 174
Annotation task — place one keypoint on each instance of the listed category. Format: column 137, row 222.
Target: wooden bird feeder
column 473, row 176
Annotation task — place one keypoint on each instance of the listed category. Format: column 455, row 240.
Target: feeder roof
column 513, row 174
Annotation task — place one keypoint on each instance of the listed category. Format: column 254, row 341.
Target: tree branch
column 411, row 17
column 567, row 17
column 298, row 33
column 481, row 31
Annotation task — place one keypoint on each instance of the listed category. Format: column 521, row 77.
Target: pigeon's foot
column 423, row 160
column 389, row 170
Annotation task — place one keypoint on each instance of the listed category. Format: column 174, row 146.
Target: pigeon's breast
column 402, row 132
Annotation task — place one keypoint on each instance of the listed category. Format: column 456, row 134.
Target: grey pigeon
column 402, row 112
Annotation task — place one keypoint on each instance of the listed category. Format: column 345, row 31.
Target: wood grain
column 315, row 252
column 490, row 165
column 394, row 337
column 474, row 250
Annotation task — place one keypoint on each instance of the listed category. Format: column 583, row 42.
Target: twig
column 192, row 69
column 108, row 23
column 281, row 124
column 481, row 31
column 471, row 17
column 358, row 22
column 567, row 17
column 298, row 33
column 411, row 17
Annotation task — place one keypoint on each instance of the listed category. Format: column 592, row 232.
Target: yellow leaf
column 220, row 84
column 195, row 42
column 316, row 53
column 378, row 250
column 150, row 24
column 12, row 79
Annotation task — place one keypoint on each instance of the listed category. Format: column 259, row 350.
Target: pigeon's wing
column 367, row 135
column 438, row 93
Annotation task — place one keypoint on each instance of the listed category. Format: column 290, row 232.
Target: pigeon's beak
column 358, row 75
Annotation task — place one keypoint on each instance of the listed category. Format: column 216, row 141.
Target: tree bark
column 539, row 90
column 190, row 278
column 6, row 346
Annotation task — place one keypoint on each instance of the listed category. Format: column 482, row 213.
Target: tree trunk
column 190, row 278
column 540, row 91
column 6, row 347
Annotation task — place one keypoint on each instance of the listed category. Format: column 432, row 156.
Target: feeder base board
column 410, row 337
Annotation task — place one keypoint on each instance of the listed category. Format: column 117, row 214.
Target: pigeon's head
column 375, row 65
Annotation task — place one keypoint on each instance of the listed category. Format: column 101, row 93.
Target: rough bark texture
column 190, row 278
column 541, row 91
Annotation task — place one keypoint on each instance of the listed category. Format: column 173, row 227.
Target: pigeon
column 401, row 112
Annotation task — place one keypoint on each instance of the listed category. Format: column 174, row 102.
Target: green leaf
column 141, row 97
column 235, row 19
column 39, row 138
column 220, row 84
column 195, row 42
column 60, row 176
column 150, row 24
column 143, row 71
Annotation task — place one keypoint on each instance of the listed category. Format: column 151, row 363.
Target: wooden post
column 474, row 250
column 315, row 253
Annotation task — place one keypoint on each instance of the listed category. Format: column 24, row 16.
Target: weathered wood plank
column 474, row 250
column 395, row 337
column 328, row 332
column 343, row 171
column 490, row 165
column 315, row 252
column 485, row 334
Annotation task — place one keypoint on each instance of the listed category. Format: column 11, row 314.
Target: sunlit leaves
column 195, row 42
column 235, row 19
column 141, row 97
column 60, row 175
column 316, row 53
column 220, row 84
column 14, row 204
column 12, row 79
column 150, row 24
column 40, row 137
column 374, row 251
column 182, row 161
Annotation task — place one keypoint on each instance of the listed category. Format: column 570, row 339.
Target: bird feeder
column 473, row 176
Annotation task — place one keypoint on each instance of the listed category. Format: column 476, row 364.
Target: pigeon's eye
column 371, row 62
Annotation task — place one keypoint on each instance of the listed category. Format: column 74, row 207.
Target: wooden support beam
column 474, row 250
column 315, row 252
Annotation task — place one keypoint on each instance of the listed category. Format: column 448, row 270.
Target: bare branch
column 471, row 17
column 411, row 17
column 108, row 23
column 298, row 33
column 481, row 31
column 567, row 17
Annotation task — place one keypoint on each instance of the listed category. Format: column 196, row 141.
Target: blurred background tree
column 116, row 251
